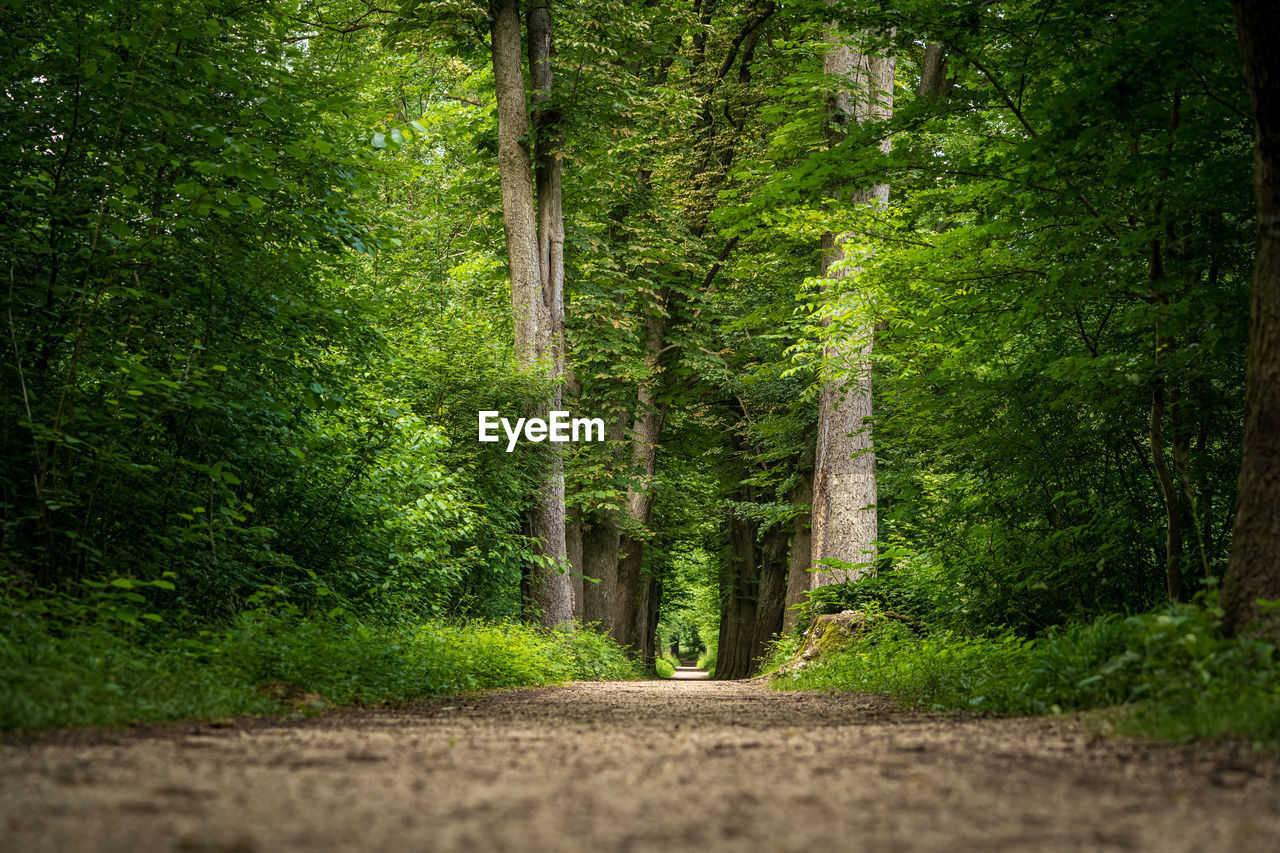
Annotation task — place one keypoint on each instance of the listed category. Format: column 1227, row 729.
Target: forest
column 963, row 317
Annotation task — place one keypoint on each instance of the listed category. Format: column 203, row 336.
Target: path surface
column 632, row 766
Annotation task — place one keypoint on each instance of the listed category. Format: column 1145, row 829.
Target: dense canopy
column 929, row 307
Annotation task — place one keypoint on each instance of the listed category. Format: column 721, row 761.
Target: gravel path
column 632, row 766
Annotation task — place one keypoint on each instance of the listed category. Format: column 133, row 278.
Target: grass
column 707, row 660
column 1172, row 670
column 102, row 674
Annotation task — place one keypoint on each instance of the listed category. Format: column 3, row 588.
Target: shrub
column 59, row 672
column 1179, row 675
column 707, row 660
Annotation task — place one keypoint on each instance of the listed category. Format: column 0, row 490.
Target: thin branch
column 757, row 22
column 1205, row 85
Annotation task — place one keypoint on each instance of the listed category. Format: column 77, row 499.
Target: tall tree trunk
column 844, row 485
column 600, row 564
column 1172, row 501
column 515, row 174
column 798, row 580
column 627, row 590
column 646, row 430
column 574, row 524
column 534, row 297
column 771, row 590
column 548, row 138
column 573, row 555
column 1254, row 569
column 934, row 82
column 1168, row 489
column 738, row 587
column 645, row 629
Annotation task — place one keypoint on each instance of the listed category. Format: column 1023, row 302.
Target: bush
column 1180, row 677
column 664, row 668
column 56, row 673
column 707, row 660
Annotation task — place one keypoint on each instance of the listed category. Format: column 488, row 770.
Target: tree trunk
column 533, row 297
column 771, row 591
column 645, row 629
column 738, row 587
column 934, row 82
column 646, row 430
column 515, row 174
column 1168, row 489
column 1254, row 569
column 548, row 138
column 600, row 563
column 844, row 486
column 798, row 578
column 1172, row 501
column 573, row 555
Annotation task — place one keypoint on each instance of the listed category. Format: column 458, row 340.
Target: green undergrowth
column 1172, row 670
column 707, row 660
column 99, row 673
column 666, row 664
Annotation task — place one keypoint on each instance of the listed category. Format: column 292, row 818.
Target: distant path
column 690, row 673
column 632, row 766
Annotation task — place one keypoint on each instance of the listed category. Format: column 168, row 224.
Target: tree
column 844, row 480
column 799, row 581
column 1253, row 572
column 532, row 218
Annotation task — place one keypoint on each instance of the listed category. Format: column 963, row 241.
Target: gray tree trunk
column 798, row 578
column 1253, row 572
column 934, row 82
column 646, row 429
column 738, row 588
column 771, row 591
column 844, row 485
column 536, row 287
column 573, row 554
column 515, row 174
column 600, row 563
column 645, row 629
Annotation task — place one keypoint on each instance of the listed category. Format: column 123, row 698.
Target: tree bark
column 645, row 629
column 771, row 591
column 573, row 555
column 1168, row 489
column 844, row 486
column 798, row 579
column 738, row 587
column 934, row 82
column 1254, row 569
column 548, row 138
column 1172, row 501
column 528, row 221
column 646, row 429
column 515, row 175
column 600, row 563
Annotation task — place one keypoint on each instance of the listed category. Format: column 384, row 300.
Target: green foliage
column 1173, row 668
column 664, row 668
column 707, row 660
column 256, row 295
column 88, row 671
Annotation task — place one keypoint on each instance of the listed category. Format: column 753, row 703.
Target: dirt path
column 642, row 766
